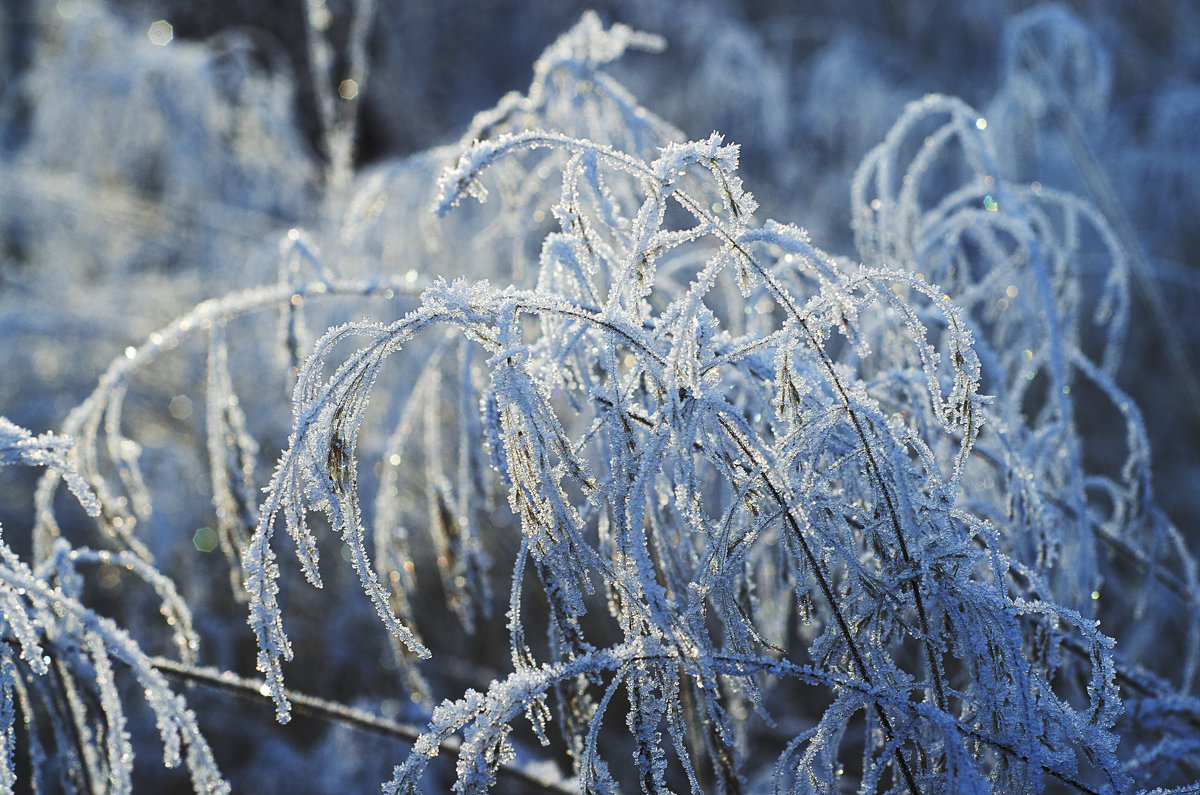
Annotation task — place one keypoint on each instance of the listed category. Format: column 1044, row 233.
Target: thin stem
column 826, row 590
column 781, row 296
column 354, row 718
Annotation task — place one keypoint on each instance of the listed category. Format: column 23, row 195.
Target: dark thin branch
column 324, row 709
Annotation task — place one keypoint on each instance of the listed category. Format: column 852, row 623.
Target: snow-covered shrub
column 56, row 662
column 766, row 517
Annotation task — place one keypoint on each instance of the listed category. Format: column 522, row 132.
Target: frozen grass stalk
column 769, row 519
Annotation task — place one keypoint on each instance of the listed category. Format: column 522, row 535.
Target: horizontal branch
column 333, row 711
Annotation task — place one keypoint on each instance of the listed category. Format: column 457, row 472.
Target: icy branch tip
column 463, row 178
